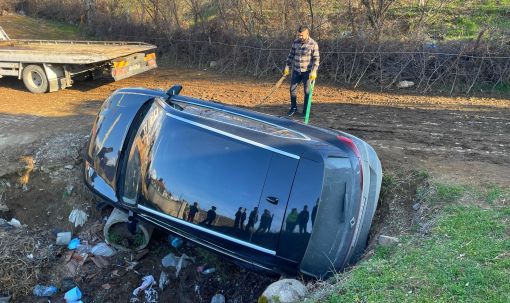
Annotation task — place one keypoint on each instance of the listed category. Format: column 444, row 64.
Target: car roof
column 282, row 133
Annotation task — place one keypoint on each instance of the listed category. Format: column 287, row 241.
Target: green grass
column 23, row 27
column 465, row 258
column 496, row 194
column 463, row 261
column 448, row 192
column 459, row 20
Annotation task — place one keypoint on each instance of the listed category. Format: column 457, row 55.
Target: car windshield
column 238, row 120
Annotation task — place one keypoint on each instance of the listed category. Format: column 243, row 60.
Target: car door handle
column 272, row 200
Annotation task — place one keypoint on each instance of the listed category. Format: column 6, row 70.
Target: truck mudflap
column 131, row 65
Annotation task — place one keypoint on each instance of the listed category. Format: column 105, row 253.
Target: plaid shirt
column 304, row 56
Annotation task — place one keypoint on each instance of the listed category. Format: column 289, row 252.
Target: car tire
column 35, row 79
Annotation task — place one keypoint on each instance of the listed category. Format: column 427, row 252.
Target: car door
column 273, row 200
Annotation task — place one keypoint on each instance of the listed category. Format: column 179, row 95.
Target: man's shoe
column 291, row 112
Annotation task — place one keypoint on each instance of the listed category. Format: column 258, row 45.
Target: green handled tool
column 309, row 105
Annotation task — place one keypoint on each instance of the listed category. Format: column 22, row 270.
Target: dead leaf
column 72, row 268
column 100, row 261
column 69, row 255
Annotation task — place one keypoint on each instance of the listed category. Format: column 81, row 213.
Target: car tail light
column 353, row 147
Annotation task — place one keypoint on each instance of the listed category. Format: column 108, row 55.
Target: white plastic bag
column 102, row 249
column 147, row 282
column 78, row 217
column 179, row 263
column 163, row 280
column 15, row 223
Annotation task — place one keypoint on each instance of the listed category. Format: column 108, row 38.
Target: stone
column 387, row 240
column 405, row 84
column 284, row 291
column 213, row 64
column 69, row 166
column 416, row 206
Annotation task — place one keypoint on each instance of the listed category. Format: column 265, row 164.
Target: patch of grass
column 139, row 239
column 207, row 257
column 463, row 260
column 24, row 27
column 114, row 238
column 458, row 20
column 449, row 192
column 496, row 193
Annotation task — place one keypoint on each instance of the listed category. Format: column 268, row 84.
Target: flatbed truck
column 51, row 65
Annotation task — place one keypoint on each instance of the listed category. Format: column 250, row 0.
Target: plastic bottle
column 175, row 241
column 44, row 291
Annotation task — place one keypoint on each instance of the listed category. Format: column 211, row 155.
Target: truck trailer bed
column 68, row 52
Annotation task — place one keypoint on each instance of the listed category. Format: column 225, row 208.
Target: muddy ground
column 461, row 140
column 465, row 138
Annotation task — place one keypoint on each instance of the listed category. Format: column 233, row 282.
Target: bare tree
column 376, row 12
column 310, row 9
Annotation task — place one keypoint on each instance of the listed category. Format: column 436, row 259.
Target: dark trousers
column 297, row 78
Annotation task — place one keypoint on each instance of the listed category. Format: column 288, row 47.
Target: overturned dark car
column 270, row 192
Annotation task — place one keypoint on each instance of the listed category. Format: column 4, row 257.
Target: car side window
column 140, row 153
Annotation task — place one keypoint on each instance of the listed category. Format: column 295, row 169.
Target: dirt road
column 465, row 139
column 460, row 140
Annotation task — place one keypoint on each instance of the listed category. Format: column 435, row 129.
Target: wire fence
column 445, row 68
column 353, row 59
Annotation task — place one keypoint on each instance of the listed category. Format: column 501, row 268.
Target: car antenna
column 174, row 91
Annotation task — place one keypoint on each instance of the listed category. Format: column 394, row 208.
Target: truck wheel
column 35, row 79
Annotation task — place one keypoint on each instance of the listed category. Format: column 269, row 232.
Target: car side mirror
column 174, row 90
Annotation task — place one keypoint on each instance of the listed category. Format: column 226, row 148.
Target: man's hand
column 313, row 76
column 286, row 71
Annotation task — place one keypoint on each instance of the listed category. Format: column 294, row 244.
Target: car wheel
column 35, row 79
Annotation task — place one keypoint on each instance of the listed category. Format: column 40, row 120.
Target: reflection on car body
column 267, row 191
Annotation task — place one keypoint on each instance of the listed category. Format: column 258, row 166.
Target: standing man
column 302, row 219
column 193, row 210
column 238, row 216
column 211, row 215
column 253, row 218
column 302, row 62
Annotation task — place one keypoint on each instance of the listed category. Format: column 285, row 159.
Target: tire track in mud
column 480, row 136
